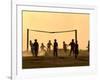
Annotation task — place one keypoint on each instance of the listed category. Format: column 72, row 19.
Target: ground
column 47, row 61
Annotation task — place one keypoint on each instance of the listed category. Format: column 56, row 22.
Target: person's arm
column 51, row 44
column 57, row 45
column 44, row 46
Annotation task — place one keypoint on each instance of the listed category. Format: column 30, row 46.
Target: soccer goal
column 44, row 36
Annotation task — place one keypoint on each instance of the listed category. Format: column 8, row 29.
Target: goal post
column 27, row 39
column 28, row 30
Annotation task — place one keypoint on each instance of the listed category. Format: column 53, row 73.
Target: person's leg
column 49, row 50
column 77, row 53
column 66, row 51
column 45, row 52
column 36, row 53
column 70, row 52
column 75, row 56
column 32, row 51
column 56, row 53
column 73, row 51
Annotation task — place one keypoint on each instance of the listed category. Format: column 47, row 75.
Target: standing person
column 36, row 47
column 72, row 44
column 76, row 50
column 32, row 47
column 55, row 48
column 49, row 46
column 64, row 47
column 43, row 51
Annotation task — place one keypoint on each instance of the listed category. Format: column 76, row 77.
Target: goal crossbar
column 51, row 31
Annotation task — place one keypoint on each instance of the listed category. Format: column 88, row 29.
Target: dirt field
column 63, row 60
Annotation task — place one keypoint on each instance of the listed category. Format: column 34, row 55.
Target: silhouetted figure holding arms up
column 36, row 47
column 64, row 47
column 49, row 46
column 76, row 50
column 72, row 44
column 55, row 48
column 32, row 47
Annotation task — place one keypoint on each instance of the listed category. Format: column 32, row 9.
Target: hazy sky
column 48, row 21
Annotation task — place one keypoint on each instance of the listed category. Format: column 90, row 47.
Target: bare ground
column 63, row 60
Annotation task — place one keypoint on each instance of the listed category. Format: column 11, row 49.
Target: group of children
column 35, row 47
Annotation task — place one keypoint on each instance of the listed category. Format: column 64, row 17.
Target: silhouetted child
column 55, row 48
column 76, row 50
column 43, row 48
column 36, row 47
column 72, row 44
column 49, row 46
column 64, row 47
column 32, row 47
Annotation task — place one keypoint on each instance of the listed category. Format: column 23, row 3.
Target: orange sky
column 48, row 21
